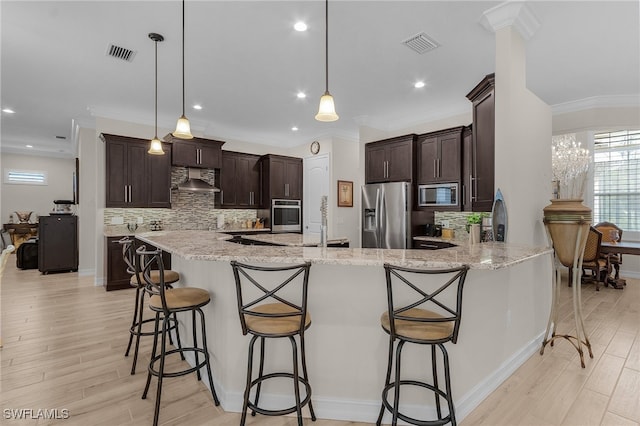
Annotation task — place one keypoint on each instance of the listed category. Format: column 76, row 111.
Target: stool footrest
column 134, row 328
column 412, row 420
column 283, row 411
column 156, row 373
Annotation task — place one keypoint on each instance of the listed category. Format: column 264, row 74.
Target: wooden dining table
column 621, row 247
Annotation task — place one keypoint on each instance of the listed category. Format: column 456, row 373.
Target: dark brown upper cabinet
column 281, row 178
column 440, row 156
column 133, row 177
column 240, row 180
column 483, row 141
column 390, row 160
column 197, row 152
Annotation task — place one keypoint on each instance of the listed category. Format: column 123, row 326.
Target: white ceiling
column 245, row 64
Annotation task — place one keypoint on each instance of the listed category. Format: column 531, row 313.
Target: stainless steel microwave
column 438, row 195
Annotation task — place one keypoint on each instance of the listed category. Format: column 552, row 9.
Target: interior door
column 316, row 184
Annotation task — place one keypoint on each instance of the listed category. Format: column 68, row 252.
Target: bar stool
column 279, row 317
column 137, row 322
column 410, row 322
column 166, row 302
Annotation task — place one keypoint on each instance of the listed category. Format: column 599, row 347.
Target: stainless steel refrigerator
column 386, row 215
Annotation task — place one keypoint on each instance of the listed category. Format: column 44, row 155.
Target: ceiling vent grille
column 121, row 53
column 420, row 43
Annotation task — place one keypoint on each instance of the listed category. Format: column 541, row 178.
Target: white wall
column 345, row 165
column 522, row 143
column 36, row 198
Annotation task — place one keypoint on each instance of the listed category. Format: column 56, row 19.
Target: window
column 25, row 177
column 616, row 178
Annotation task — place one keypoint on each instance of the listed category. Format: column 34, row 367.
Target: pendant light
column 327, row 109
column 156, row 145
column 183, row 128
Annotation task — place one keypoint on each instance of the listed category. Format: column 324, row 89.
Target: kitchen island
column 507, row 298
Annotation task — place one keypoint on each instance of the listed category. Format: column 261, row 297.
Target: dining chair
column 592, row 260
column 611, row 233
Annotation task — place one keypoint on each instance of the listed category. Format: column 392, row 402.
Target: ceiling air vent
column 421, row 43
column 121, row 53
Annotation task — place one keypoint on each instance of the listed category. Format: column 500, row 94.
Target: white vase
column 474, row 233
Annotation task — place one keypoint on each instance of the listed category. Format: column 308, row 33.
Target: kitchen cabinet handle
column 130, row 195
column 464, row 198
column 435, row 168
column 221, row 197
column 474, row 187
column 286, row 189
column 126, row 193
column 439, row 171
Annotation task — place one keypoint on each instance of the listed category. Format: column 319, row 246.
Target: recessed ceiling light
column 300, row 26
column 418, row 84
column 29, row 146
column 8, row 111
column 197, row 106
column 301, row 95
column 294, row 129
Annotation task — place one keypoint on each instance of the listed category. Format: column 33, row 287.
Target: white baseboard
column 86, row 272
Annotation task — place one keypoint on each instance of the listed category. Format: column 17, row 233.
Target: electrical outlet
column 117, row 220
column 445, row 223
column 140, row 219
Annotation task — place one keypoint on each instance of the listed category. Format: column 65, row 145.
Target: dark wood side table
column 20, row 232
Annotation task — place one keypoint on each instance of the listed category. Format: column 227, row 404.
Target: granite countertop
column 209, row 245
column 293, row 240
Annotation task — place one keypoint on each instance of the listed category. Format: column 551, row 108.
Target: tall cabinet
column 58, row 243
column 482, row 172
column 240, row 180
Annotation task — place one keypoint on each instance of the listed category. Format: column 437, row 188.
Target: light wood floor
column 64, row 341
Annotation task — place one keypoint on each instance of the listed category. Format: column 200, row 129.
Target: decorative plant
column 570, row 165
column 474, row 219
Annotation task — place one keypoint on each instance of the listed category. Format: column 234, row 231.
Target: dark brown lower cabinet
column 58, row 243
column 117, row 276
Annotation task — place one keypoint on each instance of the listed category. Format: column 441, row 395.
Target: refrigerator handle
column 379, row 218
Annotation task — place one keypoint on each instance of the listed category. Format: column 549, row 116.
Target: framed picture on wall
column 345, row 193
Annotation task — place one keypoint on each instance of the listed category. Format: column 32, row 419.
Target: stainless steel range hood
column 195, row 183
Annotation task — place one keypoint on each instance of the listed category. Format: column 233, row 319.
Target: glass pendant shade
column 156, row 147
column 327, row 109
column 183, row 128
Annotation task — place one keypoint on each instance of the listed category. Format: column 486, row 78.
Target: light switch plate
column 445, row 223
column 140, row 219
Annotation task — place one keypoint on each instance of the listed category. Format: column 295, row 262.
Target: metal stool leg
column 163, row 349
column 175, row 318
column 153, row 354
column 260, row 372
column 434, row 369
column 206, row 357
column 138, row 331
column 133, row 321
column 296, row 379
column 305, row 374
column 387, row 380
column 195, row 341
column 245, row 402
column 396, row 390
column 447, row 381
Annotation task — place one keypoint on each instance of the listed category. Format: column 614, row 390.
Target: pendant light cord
column 326, row 44
column 183, row 97
column 156, row 92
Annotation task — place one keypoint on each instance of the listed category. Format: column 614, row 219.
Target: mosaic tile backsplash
column 188, row 210
column 457, row 221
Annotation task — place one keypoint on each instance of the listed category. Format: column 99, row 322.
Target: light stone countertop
column 122, row 231
column 293, row 240
column 209, row 245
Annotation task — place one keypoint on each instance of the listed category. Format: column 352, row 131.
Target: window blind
column 25, row 177
column 616, row 178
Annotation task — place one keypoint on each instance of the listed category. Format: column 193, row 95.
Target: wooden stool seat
column 280, row 325
column 180, row 299
column 170, row 277
column 417, row 331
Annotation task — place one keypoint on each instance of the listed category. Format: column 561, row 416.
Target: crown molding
column 613, row 101
column 511, row 13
